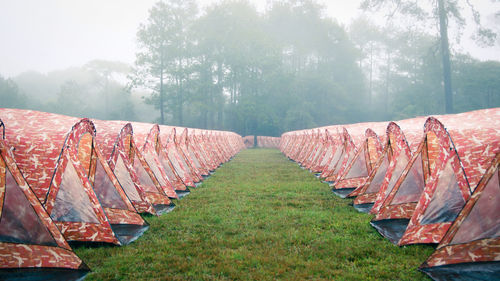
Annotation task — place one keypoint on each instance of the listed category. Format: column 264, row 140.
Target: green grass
column 259, row 217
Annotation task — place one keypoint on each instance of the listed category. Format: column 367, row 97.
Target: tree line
column 290, row 67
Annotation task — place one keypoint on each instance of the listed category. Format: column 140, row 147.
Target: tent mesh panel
column 125, row 180
column 19, row 222
column 483, row 220
column 72, row 202
column 401, row 163
column 146, row 181
column 106, row 191
column 412, row 186
column 358, row 169
column 379, row 176
column 447, row 201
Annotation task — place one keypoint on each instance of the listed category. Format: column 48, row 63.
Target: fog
column 253, row 67
column 56, row 34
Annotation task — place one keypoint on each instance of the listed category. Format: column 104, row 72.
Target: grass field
column 259, row 217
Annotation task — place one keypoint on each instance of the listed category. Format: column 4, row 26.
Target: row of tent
column 66, row 179
column 426, row 180
column 262, row 141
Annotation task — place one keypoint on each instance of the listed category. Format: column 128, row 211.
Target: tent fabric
column 197, row 142
column 419, row 185
column 327, row 150
column 268, row 142
column 400, row 205
column 349, row 153
column 208, row 141
column 173, row 175
column 352, row 138
column 180, row 141
column 195, row 152
column 471, row 246
column 195, row 147
column 401, row 153
column 249, row 141
column 333, row 162
column 468, row 143
column 372, row 150
column 390, row 165
column 143, row 188
column 149, row 146
column 173, row 156
column 358, row 170
column 317, row 151
column 397, row 152
column 49, row 157
column 308, row 148
column 29, row 239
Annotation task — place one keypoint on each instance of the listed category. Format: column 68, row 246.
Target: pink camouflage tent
column 145, row 190
column 31, row 245
column 62, row 162
column 471, row 247
column 467, row 146
column 392, row 161
column 364, row 147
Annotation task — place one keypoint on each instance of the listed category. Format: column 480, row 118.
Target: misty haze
column 251, row 67
column 250, row 140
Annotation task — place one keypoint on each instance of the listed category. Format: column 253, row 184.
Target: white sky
column 46, row 35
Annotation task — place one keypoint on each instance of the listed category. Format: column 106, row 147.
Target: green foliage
column 10, row 96
column 95, row 90
column 252, row 73
column 289, row 67
column 477, row 84
column 280, row 225
column 446, row 11
column 162, row 63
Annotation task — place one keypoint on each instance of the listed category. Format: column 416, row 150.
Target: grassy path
column 259, row 217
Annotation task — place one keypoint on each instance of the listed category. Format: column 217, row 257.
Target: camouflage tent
column 471, row 247
column 30, row 243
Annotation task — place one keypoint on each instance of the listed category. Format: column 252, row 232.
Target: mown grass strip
column 259, row 217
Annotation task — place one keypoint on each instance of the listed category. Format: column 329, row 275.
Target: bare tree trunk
column 219, row 106
column 106, row 94
column 387, row 77
column 181, row 101
column 370, row 92
column 162, row 114
column 445, row 55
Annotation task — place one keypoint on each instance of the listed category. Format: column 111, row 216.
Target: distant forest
column 291, row 67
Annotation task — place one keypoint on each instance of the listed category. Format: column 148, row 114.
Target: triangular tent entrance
column 148, row 144
column 30, row 243
column 195, row 147
column 323, row 160
column 357, row 172
column 395, row 212
column 127, row 163
column 190, row 155
column 175, row 159
column 471, row 247
column 44, row 149
column 464, row 151
column 396, row 155
column 185, row 162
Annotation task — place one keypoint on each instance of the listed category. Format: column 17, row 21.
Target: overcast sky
column 46, row 35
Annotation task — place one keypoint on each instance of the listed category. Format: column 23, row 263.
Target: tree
column 478, row 83
column 445, row 11
column 10, row 95
column 104, row 72
column 70, row 100
column 367, row 37
column 164, row 53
